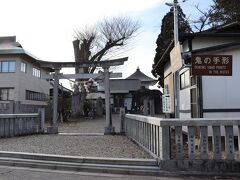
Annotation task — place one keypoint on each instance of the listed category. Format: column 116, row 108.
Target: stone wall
column 11, row 107
column 21, row 124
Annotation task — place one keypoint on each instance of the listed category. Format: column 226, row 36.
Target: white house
column 212, row 88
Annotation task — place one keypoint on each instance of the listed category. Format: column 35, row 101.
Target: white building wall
column 223, row 92
column 185, row 101
column 11, row 79
column 22, row 81
column 202, row 42
column 32, row 83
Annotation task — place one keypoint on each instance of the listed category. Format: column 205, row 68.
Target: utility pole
column 176, row 40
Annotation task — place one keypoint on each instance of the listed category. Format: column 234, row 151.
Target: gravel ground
column 95, row 146
column 80, row 145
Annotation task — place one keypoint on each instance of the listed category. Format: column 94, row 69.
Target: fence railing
column 6, row 107
column 197, row 138
column 21, row 124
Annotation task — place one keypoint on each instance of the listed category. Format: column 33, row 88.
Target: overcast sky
column 46, row 28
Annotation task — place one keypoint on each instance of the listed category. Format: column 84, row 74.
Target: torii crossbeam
column 57, row 66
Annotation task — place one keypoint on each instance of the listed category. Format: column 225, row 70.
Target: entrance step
column 81, row 134
column 83, row 164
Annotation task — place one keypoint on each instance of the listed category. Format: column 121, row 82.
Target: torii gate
column 57, row 66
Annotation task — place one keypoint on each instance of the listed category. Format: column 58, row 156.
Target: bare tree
column 108, row 36
column 203, row 21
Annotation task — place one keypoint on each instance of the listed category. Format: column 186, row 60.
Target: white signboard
column 176, row 58
column 128, row 103
column 166, row 106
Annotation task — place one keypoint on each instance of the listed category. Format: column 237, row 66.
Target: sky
column 45, row 28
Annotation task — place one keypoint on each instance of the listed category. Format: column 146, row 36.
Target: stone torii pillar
column 109, row 129
column 53, row 128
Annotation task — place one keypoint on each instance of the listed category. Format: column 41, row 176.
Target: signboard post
column 176, row 58
column 176, row 64
column 212, row 65
column 166, row 106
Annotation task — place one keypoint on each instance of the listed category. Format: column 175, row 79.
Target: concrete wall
column 15, row 107
column 20, row 124
column 172, row 153
column 6, row 107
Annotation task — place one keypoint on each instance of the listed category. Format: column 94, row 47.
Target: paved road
column 14, row 173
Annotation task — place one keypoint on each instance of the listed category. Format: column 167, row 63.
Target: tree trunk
column 81, row 53
column 76, row 53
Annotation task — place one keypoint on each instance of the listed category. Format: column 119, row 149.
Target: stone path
column 77, row 145
column 89, row 125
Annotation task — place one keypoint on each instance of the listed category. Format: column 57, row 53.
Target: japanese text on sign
column 166, row 103
column 212, row 65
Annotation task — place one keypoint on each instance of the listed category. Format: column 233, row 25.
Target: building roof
column 139, row 75
column 122, row 85
column 9, row 46
column 217, row 48
column 230, row 28
column 226, row 30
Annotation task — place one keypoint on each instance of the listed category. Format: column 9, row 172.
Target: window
column 6, row 94
column 23, row 67
column 35, row 96
column 7, row 66
column 184, row 80
column 36, row 72
column 194, row 103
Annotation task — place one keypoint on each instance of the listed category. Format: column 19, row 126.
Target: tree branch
column 107, row 47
